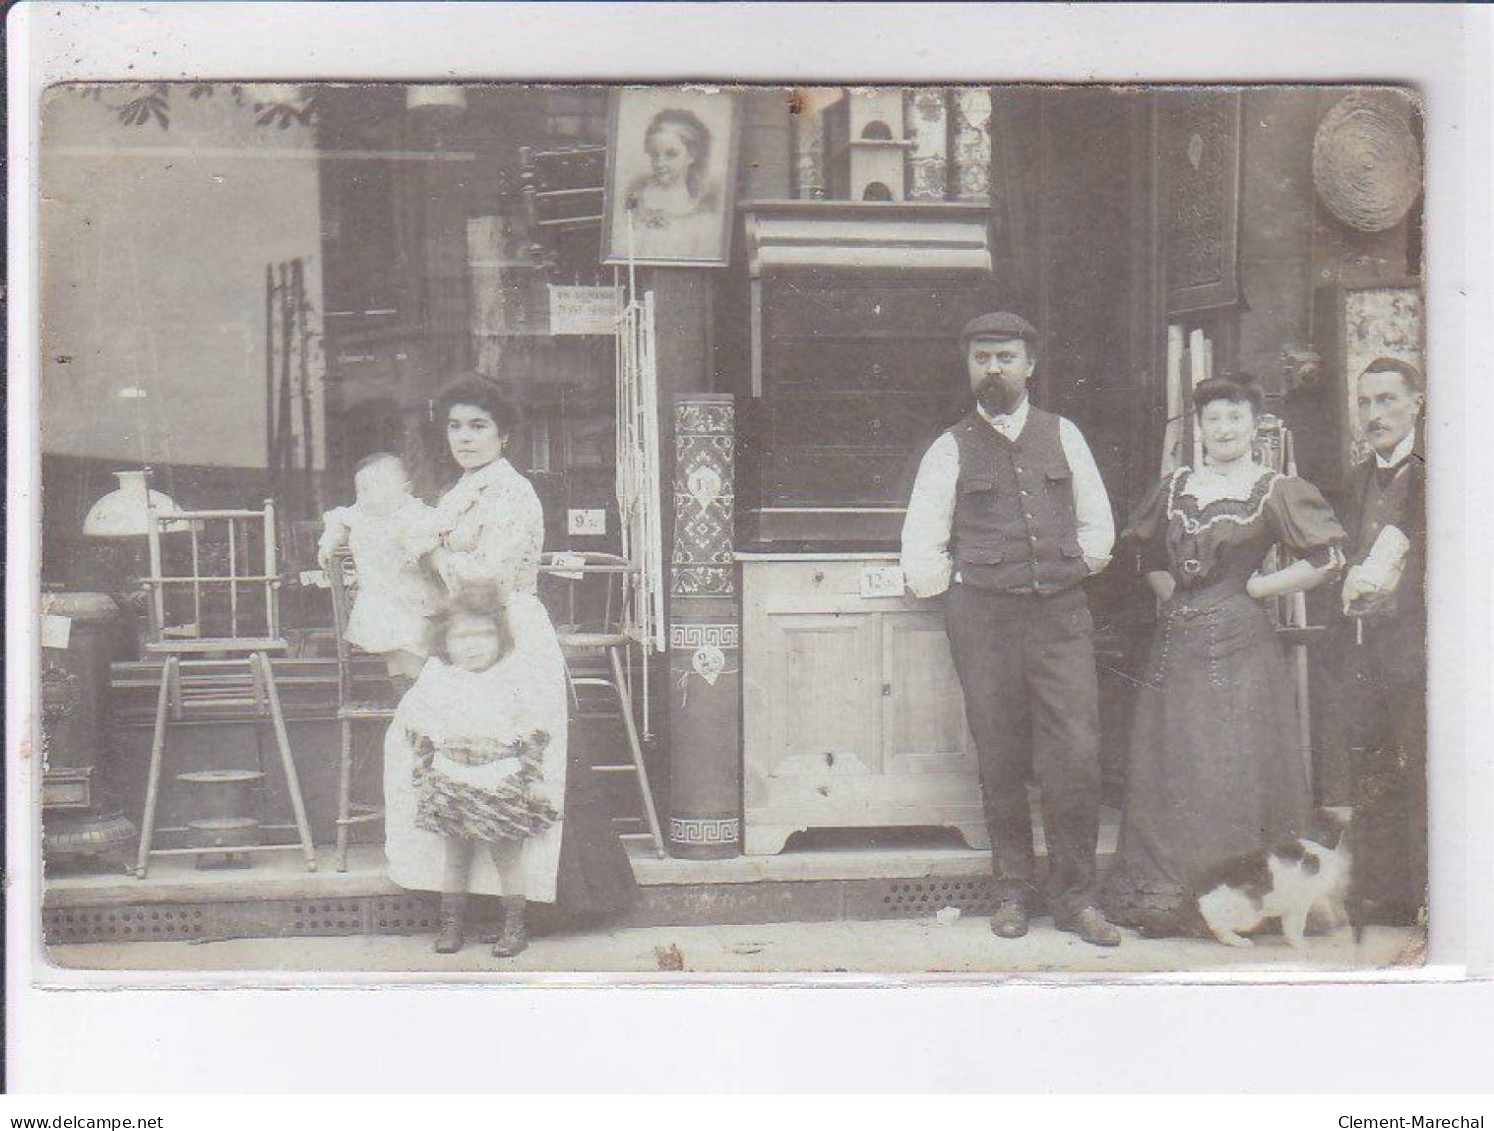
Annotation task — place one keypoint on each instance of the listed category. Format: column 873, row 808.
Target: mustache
column 998, row 396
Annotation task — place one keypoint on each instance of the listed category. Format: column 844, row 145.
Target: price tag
column 56, row 631
column 881, row 581
column 567, row 566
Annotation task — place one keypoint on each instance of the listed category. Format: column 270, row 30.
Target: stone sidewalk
column 886, row 947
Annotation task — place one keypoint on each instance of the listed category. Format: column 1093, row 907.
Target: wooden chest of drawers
column 852, row 714
column 859, row 372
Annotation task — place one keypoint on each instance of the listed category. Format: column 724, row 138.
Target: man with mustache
column 1009, row 515
column 1383, row 595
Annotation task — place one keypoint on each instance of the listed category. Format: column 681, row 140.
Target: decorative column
column 970, row 144
column 926, row 125
column 705, row 656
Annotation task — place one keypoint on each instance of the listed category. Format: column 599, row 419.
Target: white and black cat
column 1288, row 883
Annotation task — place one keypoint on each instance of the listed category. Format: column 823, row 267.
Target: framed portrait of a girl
column 671, row 173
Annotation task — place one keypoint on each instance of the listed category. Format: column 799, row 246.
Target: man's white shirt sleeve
column 1096, row 524
column 926, row 527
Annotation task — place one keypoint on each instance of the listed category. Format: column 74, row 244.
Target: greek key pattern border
column 692, row 636
column 705, row 830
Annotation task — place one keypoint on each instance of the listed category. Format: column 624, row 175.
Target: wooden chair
column 592, row 593
column 219, row 603
column 364, row 695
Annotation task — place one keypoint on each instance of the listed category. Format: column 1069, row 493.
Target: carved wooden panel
column 1201, row 158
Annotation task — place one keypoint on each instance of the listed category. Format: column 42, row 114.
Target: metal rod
column 270, row 368
column 153, row 777
column 196, row 581
column 272, row 607
column 308, row 447
column 233, row 585
column 153, row 539
column 282, row 740
column 285, row 434
column 210, row 579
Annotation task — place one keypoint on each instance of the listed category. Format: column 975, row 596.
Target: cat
column 1288, row 883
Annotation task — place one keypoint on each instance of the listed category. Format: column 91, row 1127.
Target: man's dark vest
column 1014, row 521
column 1395, row 497
column 1385, row 500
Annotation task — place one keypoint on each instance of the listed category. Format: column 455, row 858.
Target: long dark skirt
column 1216, row 769
column 595, row 880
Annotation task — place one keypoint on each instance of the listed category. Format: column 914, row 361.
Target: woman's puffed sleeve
column 1146, row 529
column 507, row 550
column 420, row 529
column 1302, row 520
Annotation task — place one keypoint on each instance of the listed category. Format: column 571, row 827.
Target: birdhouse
column 865, row 146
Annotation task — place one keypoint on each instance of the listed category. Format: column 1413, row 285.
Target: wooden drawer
column 840, row 477
column 768, row 583
column 857, row 420
column 925, row 365
column 928, row 309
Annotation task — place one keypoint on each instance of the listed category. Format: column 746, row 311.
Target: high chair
column 592, row 591
column 215, row 626
column 360, row 678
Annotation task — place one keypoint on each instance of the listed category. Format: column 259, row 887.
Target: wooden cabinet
column 855, row 312
column 853, row 715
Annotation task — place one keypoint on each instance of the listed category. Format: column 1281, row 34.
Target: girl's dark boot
column 453, row 918
column 513, row 938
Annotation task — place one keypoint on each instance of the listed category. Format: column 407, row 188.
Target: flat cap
column 999, row 324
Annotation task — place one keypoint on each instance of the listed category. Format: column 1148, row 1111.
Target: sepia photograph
column 1010, row 558
column 671, row 153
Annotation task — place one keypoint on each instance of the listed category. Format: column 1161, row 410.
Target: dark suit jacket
column 1398, row 638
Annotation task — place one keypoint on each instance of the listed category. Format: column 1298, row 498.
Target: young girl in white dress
column 387, row 530
column 479, row 753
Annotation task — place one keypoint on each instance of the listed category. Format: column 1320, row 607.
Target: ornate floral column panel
column 705, row 656
column 926, row 125
column 970, row 145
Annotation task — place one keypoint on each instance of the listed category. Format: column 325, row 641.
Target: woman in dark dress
column 1216, row 768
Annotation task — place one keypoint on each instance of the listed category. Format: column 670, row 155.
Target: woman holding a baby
column 475, row 759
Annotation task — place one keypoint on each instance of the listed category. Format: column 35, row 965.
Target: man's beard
column 998, row 397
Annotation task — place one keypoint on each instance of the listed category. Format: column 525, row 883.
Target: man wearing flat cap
column 1009, row 515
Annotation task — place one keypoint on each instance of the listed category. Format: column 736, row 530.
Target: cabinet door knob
column 819, row 576
column 886, row 690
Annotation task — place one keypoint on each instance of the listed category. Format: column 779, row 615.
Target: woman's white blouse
column 493, row 527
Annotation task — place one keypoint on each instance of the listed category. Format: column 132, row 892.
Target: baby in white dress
column 388, row 530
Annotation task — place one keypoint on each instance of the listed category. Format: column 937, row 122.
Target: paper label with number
column 882, row 581
column 567, row 566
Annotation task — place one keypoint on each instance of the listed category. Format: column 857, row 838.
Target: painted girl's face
column 473, row 436
column 473, row 642
column 669, row 157
column 1228, row 428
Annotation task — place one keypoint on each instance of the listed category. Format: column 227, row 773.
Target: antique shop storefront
column 736, row 405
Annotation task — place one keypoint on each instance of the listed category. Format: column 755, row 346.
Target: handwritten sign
column 584, row 310
column 562, row 565
column 881, row 581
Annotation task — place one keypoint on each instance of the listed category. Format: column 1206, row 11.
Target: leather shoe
column 1090, row 924
column 1009, row 920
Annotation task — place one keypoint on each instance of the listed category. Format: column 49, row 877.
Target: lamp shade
column 125, row 511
